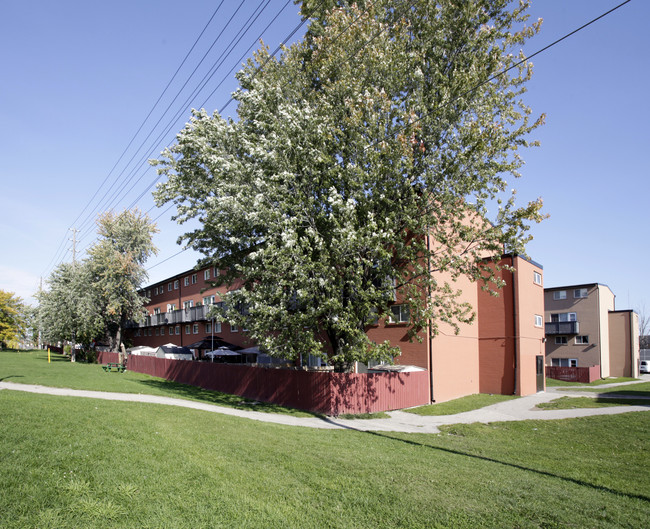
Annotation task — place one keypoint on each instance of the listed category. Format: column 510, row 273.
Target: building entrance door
column 540, row 373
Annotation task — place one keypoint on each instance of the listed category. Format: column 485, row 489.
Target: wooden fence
column 574, row 374
column 316, row 391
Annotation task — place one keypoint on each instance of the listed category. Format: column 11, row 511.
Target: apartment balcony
column 562, row 327
column 189, row 315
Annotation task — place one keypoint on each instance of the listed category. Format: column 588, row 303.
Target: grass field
column 471, row 402
column 84, row 463
column 32, row 367
column 553, row 382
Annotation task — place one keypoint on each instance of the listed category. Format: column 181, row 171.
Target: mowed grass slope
column 77, row 463
column 32, row 367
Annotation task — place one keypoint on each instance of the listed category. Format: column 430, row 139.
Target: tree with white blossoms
column 116, row 268
column 363, row 161
column 96, row 297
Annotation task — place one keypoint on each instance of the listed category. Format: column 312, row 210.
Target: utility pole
column 40, row 340
column 74, row 244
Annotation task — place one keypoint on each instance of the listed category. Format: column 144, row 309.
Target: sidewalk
column 512, row 410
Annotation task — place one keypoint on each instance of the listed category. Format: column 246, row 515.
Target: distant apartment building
column 583, row 329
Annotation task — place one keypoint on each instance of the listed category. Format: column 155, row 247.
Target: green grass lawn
column 552, row 382
column 84, row 463
column 567, row 403
column 32, row 367
column 452, row 407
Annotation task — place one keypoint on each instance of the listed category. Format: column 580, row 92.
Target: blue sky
column 79, row 79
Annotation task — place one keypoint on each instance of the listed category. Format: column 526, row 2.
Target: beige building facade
column 583, row 329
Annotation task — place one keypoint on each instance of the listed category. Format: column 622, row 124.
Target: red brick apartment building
column 501, row 352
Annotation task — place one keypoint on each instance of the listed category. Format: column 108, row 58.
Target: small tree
column 13, row 318
column 363, row 163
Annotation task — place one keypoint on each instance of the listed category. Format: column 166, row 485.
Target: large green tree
column 13, row 318
column 116, row 268
column 95, row 298
column 68, row 310
column 363, row 161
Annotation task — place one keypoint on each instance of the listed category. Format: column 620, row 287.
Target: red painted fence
column 574, row 374
column 316, row 391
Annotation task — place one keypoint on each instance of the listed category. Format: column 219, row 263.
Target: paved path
column 512, row 410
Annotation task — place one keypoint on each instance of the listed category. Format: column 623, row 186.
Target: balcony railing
column 562, row 327
column 189, row 315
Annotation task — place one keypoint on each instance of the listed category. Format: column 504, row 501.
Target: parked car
column 645, row 366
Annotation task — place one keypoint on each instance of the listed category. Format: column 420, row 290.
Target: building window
column 580, row 293
column 216, row 272
column 582, row 340
column 208, row 328
column 564, row 362
column 188, row 304
column 560, row 340
column 217, row 327
column 178, row 329
column 398, row 314
column 162, row 331
column 193, row 279
column 206, row 274
column 537, row 278
column 157, row 331
column 559, row 294
column 187, row 329
column 234, row 328
column 169, row 286
column 186, row 281
column 539, row 321
column 148, row 293
column 195, row 328
column 171, row 331
column 156, row 310
column 176, row 284
column 208, row 300
column 155, row 291
column 564, row 316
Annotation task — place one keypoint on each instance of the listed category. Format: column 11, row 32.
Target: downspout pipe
column 430, row 331
column 515, row 322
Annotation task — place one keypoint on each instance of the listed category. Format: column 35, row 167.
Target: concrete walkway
column 520, row 409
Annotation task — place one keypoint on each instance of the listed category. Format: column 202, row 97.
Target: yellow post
column 48, row 355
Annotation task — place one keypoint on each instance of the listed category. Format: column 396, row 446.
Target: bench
column 120, row 368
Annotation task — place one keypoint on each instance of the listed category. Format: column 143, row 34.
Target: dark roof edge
column 563, row 287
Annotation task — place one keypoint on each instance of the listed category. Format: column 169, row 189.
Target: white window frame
column 162, row 331
column 399, row 314
column 208, row 328
column 582, row 339
column 234, row 328
column 559, row 295
column 217, row 327
column 577, row 293
column 563, row 317
column 188, row 328
column 156, row 310
column 537, row 277
column 539, row 320
column 178, row 329
column 206, row 274
column 208, row 300
column 195, row 328
column 176, row 284
column 188, row 304
column 194, row 279
column 186, row 281
column 169, row 286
